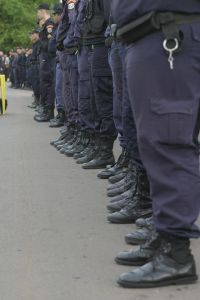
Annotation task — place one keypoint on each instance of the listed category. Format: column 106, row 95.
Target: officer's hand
column 60, row 47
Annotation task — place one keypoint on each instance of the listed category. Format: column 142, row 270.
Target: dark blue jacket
column 80, row 19
column 94, row 25
column 52, row 42
column 107, row 7
column 70, row 40
column 63, row 28
column 36, row 53
column 123, row 11
column 45, row 35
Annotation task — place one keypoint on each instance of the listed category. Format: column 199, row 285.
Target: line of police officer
column 19, row 69
column 137, row 90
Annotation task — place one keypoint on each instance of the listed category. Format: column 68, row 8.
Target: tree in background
column 17, row 19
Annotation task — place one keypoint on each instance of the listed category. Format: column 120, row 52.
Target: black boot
column 90, row 152
column 128, row 194
column 126, row 183
column 69, row 140
column 118, row 177
column 172, row 264
column 80, row 144
column 35, row 103
column 67, row 135
column 139, row 206
column 141, row 256
column 138, row 237
column 59, row 120
column 131, row 170
column 145, row 223
column 61, row 137
column 73, row 141
column 39, row 109
column 88, row 144
column 142, row 234
column 105, row 155
column 118, row 205
column 69, row 151
column 117, row 168
column 83, row 145
column 46, row 116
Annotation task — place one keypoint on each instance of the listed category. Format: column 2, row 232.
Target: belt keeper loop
column 169, row 27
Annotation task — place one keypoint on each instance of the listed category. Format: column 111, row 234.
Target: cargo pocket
column 173, row 120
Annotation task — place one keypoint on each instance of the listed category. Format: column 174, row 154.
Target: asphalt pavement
column 55, row 242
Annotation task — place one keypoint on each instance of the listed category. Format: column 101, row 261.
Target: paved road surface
column 55, row 243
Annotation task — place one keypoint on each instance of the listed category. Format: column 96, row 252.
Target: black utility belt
column 167, row 22
column 93, row 46
column 71, row 50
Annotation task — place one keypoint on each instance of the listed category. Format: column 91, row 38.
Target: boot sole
column 93, row 168
column 111, row 180
column 174, row 281
column 115, row 194
column 122, row 221
column 134, row 242
column 110, row 210
column 104, row 177
column 68, row 154
column 55, row 126
column 42, row 121
column 138, row 263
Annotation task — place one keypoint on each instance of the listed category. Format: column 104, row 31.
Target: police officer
column 11, row 75
column 163, row 41
column 28, row 70
column 71, row 49
column 35, row 67
column 15, row 69
column 46, row 66
column 86, row 114
column 60, row 118
column 94, row 28
column 23, row 67
column 71, row 64
column 63, row 28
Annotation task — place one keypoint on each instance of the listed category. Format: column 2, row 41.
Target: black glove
column 60, row 46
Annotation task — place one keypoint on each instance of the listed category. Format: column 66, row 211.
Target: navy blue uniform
column 57, row 73
column 94, row 29
column 28, row 72
column 70, row 46
column 86, row 115
column 63, row 28
column 35, row 69
column 166, row 110
column 15, row 71
column 46, row 67
column 122, row 112
column 126, row 10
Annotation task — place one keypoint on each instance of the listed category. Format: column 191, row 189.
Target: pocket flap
column 169, row 106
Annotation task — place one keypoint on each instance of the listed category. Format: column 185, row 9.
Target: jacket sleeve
column 63, row 26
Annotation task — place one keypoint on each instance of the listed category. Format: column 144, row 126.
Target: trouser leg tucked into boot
column 171, row 264
column 140, row 205
column 105, row 155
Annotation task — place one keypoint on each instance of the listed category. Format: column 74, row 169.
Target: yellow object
column 3, row 93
